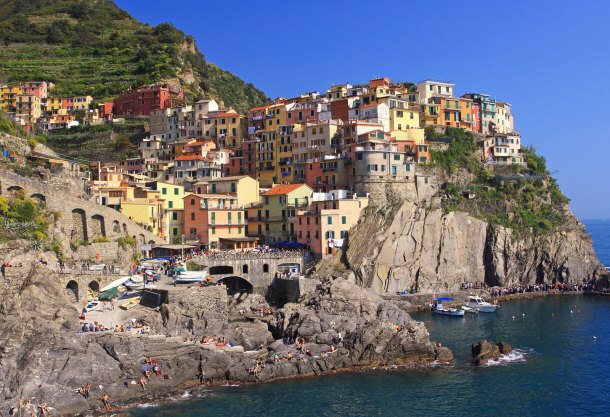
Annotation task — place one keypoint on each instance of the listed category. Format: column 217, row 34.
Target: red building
column 37, row 88
column 106, row 110
column 143, row 100
column 476, row 117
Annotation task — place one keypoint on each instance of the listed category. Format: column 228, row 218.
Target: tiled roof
column 283, row 189
column 192, row 158
column 259, row 108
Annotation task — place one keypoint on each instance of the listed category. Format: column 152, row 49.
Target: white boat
column 478, row 304
column 189, row 277
column 438, row 308
column 115, row 283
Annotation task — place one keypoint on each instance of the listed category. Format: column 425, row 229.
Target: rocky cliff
column 424, row 249
column 44, row 359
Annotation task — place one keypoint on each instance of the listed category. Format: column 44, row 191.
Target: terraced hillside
column 94, row 47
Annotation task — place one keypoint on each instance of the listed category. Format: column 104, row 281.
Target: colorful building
column 143, row 100
column 503, row 149
column 274, row 219
column 325, row 225
column 216, row 221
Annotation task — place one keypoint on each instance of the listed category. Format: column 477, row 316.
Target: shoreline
column 174, row 393
column 512, row 297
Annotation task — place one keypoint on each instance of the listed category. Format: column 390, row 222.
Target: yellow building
column 231, row 129
column 430, row 115
column 8, row 96
column 402, row 115
column 173, row 205
column 274, row 219
column 146, row 209
column 27, row 108
column 244, row 187
column 415, row 135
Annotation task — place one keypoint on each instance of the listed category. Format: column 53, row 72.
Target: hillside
column 94, row 47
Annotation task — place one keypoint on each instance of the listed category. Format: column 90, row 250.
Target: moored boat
column 130, row 303
column 478, row 304
column 438, row 308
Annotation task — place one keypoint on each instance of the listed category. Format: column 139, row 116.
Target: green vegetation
column 8, row 126
column 23, row 218
column 106, row 143
column 126, row 242
column 93, row 47
column 192, row 266
column 101, row 239
column 527, row 200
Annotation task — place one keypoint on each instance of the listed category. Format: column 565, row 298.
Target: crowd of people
column 554, row 288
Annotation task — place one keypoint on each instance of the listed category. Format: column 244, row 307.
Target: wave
column 187, row 394
column 147, row 405
column 516, row 355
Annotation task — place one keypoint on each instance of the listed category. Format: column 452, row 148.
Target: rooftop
column 283, row 189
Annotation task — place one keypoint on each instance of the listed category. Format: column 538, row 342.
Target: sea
column 560, row 367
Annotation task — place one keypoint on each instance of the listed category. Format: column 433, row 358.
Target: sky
column 548, row 59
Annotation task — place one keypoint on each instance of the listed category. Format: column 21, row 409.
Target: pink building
column 37, row 88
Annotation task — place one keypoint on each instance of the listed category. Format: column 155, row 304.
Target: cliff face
column 427, row 250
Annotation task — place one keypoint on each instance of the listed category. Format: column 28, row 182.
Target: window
column 213, row 230
column 192, row 201
column 330, row 220
column 393, row 169
column 266, row 200
column 175, row 231
column 359, row 156
column 170, row 204
column 192, row 216
column 163, row 190
column 174, row 216
column 343, row 220
column 397, row 157
column 175, row 191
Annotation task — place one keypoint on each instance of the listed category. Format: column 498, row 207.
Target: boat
column 182, row 276
column 478, row 304
column 130, row 303
column 438, row 308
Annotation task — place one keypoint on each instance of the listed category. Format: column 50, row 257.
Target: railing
column 251, row 254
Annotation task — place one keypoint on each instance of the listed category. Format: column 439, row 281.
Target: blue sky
column 549, row 59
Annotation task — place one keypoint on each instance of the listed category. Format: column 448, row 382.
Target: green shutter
column 343, row 220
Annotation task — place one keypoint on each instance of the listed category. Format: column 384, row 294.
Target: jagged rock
column 430, row 251
column 484, row 351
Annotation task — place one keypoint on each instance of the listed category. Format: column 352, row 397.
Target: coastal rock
column 416, row 248
column 484, row 351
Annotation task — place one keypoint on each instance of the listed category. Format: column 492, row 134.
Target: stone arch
column 40, row 197
column 221, row 270
column 94, row 286
column 116, row 226
column 151, row 242
column 265, row 267
column 244, row 269
column 72, row 291
column 141, row 239
column 79, row 225
column 98, row 226
column 14, row 189
column 236, row 284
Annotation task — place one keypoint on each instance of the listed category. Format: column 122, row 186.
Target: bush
column 192, row 266
column 125, row 242
column 101, row 239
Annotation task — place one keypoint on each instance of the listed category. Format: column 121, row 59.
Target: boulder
column 485, row 351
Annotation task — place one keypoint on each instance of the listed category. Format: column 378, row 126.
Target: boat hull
column 456, row 313
column 482, row 308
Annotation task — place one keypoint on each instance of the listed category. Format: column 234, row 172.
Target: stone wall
column 211, row 301
column 80, row 219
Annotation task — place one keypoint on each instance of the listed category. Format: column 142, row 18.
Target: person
column 201, row 377
column 157, row 370
column 87, row 389
column 105, row 399
column 143, row 383
column 44, row 411
column 148, row 373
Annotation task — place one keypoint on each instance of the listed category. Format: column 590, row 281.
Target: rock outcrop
column 485, row 351
column 43, row 357
column 424, row 249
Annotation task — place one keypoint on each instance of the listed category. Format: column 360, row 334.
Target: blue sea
column 560, row 367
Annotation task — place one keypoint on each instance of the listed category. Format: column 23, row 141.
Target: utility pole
column 183, row 248
column 99, row 181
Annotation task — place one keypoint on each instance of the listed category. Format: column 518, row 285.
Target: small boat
column 438, row 308
column 130, row 303
column 478, row 304
column 182, row 276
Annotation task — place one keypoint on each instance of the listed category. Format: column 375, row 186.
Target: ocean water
column 560, row 367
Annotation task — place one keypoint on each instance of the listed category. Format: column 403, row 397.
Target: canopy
column 110, row 294
column 444, row 299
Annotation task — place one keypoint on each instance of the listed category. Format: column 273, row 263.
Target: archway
column 244, row 269
column 14, row 190
column 93, row 290
column 98, row 227
column 72, row 291
column 236, row 284
column 116, row 227
column 125, row 230
column 221, row 270
column 79, row 225
column 39, row 197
